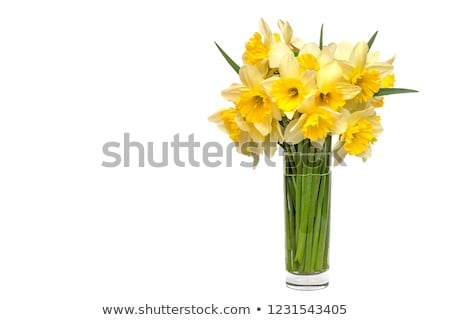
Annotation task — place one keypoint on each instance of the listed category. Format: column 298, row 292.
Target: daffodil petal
column 277, row 51
column 391, row 60
column 318, row 143
column 241, row 123
column 255, row 135
column 341, row 121
column 358, row 115
column 373, row 56
column 329, row 110
column 326, row 55
column 265, row 30
column 233, row 92
column 311, row 48
column 263, row 67
column 276, row 113
column 297, row 43
column 347, row 69
column 349, row 91
column 292, row 133
column 307, row 104
column 215, row 117
column 263, row 127
column 289, row 114
column 250, row 76
column 359, row 55
column 383, row 68
column 329, row 75
column 308, row 78
column 267, row 84
column 286, row 31
column 366, row 154
column 289, row 67
column 339, row 153
column 276, row 135
column 330, row 49
column 343, row 50
column 377, row 128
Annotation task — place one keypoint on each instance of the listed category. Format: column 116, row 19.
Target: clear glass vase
column 307, row 192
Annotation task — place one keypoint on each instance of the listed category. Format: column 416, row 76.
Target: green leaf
column 386, row 91
column 230, row 61
column 321, row 38
column 372, row 39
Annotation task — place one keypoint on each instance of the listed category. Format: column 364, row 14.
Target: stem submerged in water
column 307, row 206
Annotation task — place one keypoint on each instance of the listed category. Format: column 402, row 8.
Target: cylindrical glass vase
column 307, row 192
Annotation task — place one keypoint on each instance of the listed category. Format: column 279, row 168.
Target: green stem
column 324, row 226
column 302, row 206
column 323, row 238
column 317, row 223
column 312, row 209
column 290, row 192
column 290, row 240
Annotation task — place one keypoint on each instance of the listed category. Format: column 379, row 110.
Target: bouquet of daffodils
column 297, row 95
column 291, row 90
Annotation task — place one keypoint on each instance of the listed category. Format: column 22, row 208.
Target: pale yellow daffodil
column 252, row 99
column 226, row 121
column 242, row 134
column 332, row 91
column 293, row 86
column 288, row 35
column 363, row 72
column 265, row 48
column 362, row 129
column 311, row 57
column 314, row 123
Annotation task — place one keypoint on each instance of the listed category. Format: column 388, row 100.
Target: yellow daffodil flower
column 293, row 86
column 362, row 129
column 287, row 32
column 310, row 57
column 265, row 48
column 332, row 91
column 364, row 73
column 314, row 124
column 226, row 121
column 252, row 99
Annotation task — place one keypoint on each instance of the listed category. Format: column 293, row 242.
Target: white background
column 75, row 236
